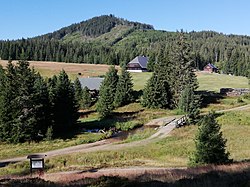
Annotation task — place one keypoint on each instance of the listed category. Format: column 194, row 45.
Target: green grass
column 126, row 118
column 139, row 134
column 140, row 79
column 213, row 82
column 236, row 128
column 207, row 81
column 226, row 103
column 172, row 151
column 23, row 149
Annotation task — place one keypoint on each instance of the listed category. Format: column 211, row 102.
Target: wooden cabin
column 138, row 64
column 210, row 68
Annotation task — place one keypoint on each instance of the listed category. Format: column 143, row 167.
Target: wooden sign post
column 36, row 163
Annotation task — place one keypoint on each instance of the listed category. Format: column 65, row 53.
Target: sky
column 29, row 18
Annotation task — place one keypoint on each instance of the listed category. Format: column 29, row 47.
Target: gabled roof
column 212, row 66
column 141, row 60
column 93, row 83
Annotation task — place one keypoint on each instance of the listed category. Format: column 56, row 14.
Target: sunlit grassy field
column 175, row 150
column 213, row 81
column 207, row 81
column 23, row 149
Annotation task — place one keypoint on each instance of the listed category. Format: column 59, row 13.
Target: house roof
column 93, row 83
column 212, row 66
column 141, row 60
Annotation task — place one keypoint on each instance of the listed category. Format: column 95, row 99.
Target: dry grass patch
column 49, row 69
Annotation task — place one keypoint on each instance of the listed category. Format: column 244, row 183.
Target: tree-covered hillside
column 111, row 40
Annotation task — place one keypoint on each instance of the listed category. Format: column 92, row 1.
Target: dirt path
column 108, row 144
column 105, row 145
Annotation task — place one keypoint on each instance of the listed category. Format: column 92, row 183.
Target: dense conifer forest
column 111, row 40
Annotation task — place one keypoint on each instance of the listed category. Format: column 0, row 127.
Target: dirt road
column 108, row 144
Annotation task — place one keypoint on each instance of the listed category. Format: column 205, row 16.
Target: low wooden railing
column 181, row 122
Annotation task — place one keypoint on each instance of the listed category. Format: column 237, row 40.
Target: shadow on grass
column 109, row 122
column 3, row 164
column 209, row 97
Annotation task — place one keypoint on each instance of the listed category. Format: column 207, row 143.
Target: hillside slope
column 111, row 40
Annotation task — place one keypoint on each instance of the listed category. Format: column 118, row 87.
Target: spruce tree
column 189, row 103
column 124, row 91
column 24, row 104
column 157, row 93
column 86, row 98
column 181, row 73
column 42, row 107
column 209, row 143
column 64, row 104
column 78, row 92
column 105, row 103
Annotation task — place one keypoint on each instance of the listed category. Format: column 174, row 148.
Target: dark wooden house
column 138, row 64
column 210, row 68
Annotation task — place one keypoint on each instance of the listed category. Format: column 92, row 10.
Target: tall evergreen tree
column 78, row 92
column 42, row 107
column 124, row 91
column 86, row 98
column 24, row 104
column 157, row 92
column 64, row 104
column 181, row 73
column 8, row 108
column 105, row 103
column 209, row 143
column 189, row 103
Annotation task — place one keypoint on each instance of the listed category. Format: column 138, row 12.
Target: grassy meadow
column 172, row 151
column 207, row 81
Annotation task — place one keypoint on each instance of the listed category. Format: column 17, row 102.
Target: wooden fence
column 181, row 122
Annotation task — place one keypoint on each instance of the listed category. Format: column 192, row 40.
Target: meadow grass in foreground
column 126, row 118
column 173, row 151
column 23, row 149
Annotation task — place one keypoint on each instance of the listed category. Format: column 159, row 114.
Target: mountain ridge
column 110, row 40
column 101, row 24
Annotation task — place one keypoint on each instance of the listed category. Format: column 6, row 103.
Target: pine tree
column 189, row 103
column 42, row 106
column 24, row 104
column 209, row 143
column 124, row 91
column 181, row 73
column 105, row 103
column 157, row 93
column 78, row 92
column 64, row 104
column 86, row 98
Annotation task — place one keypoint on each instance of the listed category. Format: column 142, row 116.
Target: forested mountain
column 111, row 40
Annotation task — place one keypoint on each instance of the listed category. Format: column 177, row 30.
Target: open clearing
column 207, row 81
column 48, row 69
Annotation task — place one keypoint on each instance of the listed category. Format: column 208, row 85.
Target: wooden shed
column 210, row 68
